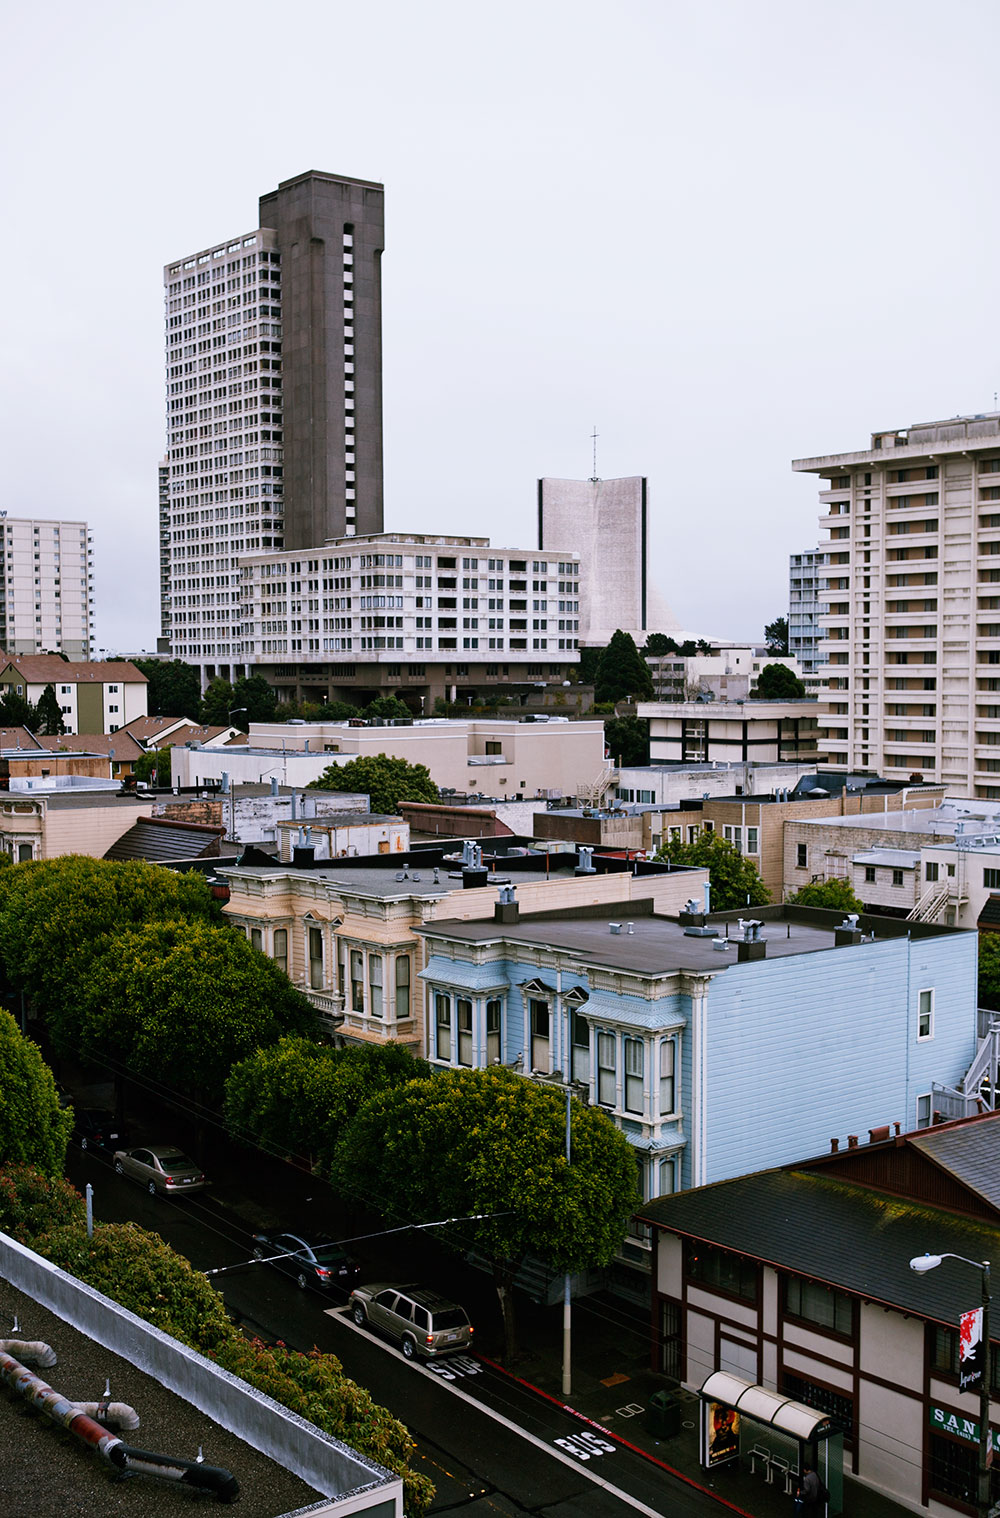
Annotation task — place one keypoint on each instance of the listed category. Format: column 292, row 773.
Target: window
column 633, row 1075
column 726, row 1272
column 924, row 1110
column 606, row 1093
column 316, row 958
column 752, row 847
column 357, row 981
column 463, row 1017
column 930, row 871
column 442, row 1013
column 539, row 1017
column 818, row 1304
column 668, row 1056
column 869, row 874
column 493, row 1028
column 280, row 954
column 925, row 1014
column 256, row 939
column 375, row 985
column 801, row 856
column 580, row 1042
column 897, row 877
column 666, row 1178
column 402, row 985
column 991, row 880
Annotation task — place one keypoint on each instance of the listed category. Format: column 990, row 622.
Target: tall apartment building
column 274, row 401
column 47, row 589
column 912, row 586
column 423, row 615
column 805, row 570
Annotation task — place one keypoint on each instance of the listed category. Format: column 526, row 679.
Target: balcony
column 329, row 1006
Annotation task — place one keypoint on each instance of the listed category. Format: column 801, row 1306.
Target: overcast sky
column 729, row 234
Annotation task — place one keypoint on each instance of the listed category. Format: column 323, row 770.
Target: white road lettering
column 585, row 1446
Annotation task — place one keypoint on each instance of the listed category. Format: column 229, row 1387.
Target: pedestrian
column 809, row 1497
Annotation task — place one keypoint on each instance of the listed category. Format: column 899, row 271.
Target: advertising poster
column 970, row 1349
column 722, row 1431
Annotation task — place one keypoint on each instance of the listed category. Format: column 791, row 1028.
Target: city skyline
column 740, row 249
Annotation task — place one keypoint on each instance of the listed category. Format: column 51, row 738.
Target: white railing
column 980, row 1079
column 594, row 792
column 930, row 903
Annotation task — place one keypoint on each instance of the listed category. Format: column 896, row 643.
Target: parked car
column 96, row 1128
column 425, row 1324
column 318, row 1261
column 161, row 1168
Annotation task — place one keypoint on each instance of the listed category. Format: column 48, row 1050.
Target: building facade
column 805, row 572
column 912, row 629
column 423, row 615
column 761, row 732
column 47, row 594
column 274, row 401
column 97, row 697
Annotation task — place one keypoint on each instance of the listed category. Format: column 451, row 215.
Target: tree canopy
column 621, row 671
column 386, row 782
column 15, row 711
column 836, row 895
column 296, row 1097
column 390, row 708
column 627, row 739
column 735, row 880
column 491, row 1142
column 49, row 712
column 155, row 761
column 989, row 971
column 776, row 682
column 183, row 1001
column 776, row 636
column 34, row 1129
column 217, row 702
column 173, row 688
column 259, row 699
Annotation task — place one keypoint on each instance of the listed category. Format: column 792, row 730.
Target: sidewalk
column 612, row 1385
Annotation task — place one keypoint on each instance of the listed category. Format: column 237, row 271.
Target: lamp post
column 232, row 782
column 922, row 1264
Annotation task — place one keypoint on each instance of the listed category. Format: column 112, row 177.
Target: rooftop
column 965, row 819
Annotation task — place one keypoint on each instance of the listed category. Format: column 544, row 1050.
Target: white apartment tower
column 274, row 410
column 912, row 587
column 47, row 593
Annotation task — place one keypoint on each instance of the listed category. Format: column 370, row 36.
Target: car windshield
column 450, row 1317
column 176, row 1161
column 328, row 1253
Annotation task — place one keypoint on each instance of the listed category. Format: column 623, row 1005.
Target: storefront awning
column 765, row 1406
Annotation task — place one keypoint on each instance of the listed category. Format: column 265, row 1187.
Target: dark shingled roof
column 989, row 917
column 968, row 1151
column 160, row 839
column 846, row 1236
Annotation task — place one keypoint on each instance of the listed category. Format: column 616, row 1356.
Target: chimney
column 848, row 932
column 750, row 945
column 834, row 1146
column 505, row 908
column 878, row 1135
column 584, row 861
column 303, row 856
column 852, row 1141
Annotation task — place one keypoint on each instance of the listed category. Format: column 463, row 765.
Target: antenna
column 594, row 435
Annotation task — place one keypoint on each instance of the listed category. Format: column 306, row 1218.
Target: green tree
column 587, row 668
column 34, row 1129
column 337, row 711
column 173, row 688
column 989, row 971
column 621, row 671
column 776, row 636
column 15, row 711
column 491, row 1142
column 735, row 881
column 836, row 895
column 386, row 782
column 658, row 645
column 296, row 1097
column 776, row 682
column 49, row 712
column 154, row 761
column 57, row 915
column 627, row 739
column 257, row 697
column 389, row 707
column 184, row 1001
column 218, row 701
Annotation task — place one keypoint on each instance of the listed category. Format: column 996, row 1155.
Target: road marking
column 585, row 1446
column 455, row 1366
column 514, row 1428
column 630, row 1410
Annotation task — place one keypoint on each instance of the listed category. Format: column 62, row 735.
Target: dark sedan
column 96, row 1128
column 316, row 1261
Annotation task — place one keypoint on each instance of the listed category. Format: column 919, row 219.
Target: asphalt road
column 490, row 1446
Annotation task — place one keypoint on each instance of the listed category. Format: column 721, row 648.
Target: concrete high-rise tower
column 274, row 402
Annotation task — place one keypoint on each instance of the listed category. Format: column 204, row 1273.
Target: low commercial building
column 798, row 1280
column 507, row 758
column 716, row 1045
column 702, row 731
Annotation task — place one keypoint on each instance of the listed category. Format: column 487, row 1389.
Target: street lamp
column 922, row 1264
column 232, row 782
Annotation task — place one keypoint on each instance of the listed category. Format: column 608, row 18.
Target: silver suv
column 424, row 1323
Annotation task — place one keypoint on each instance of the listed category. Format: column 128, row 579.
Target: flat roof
column 55, row 1473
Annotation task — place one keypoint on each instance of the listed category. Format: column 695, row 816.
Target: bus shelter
column 771, row 1435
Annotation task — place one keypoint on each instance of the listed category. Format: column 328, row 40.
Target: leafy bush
column 31, row 1203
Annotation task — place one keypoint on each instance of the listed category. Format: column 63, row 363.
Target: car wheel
column 119, row 1168
column 83, row 1142
column 409, row 1347
column 302, row 1280
column 359, row 1315
column 258, row 1253
column 151, row 1188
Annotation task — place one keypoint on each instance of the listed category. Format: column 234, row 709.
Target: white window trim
column 924, row 1038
